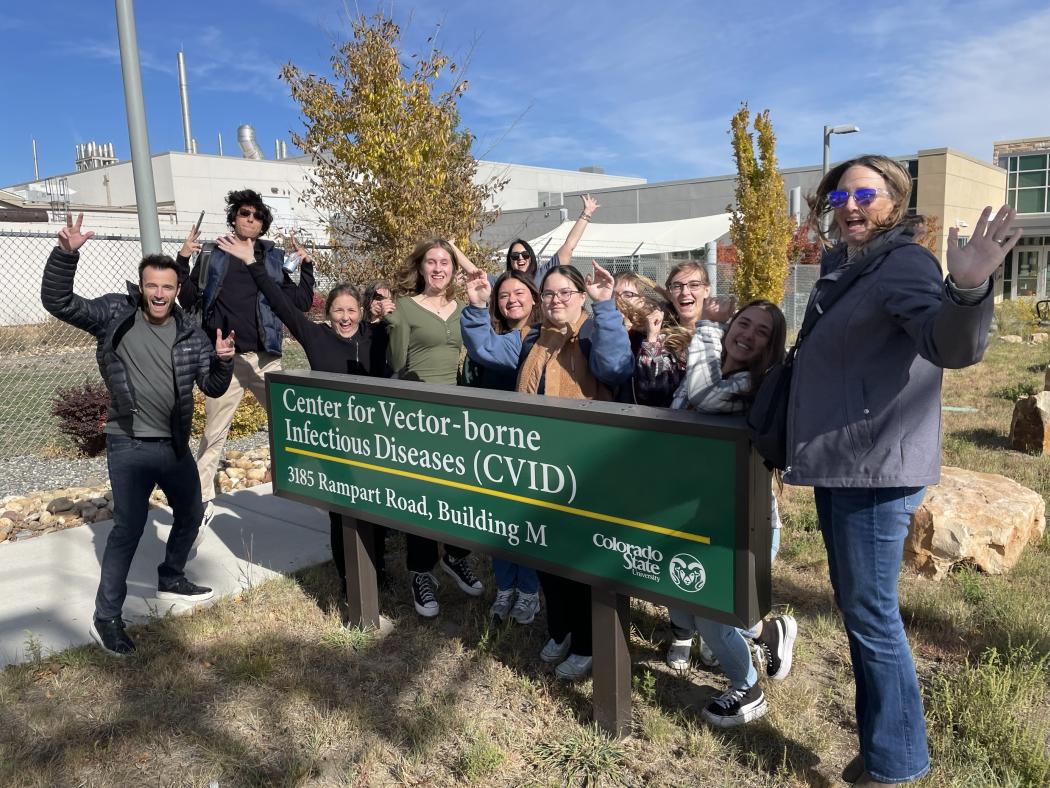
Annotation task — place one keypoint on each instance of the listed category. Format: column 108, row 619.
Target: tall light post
column 141, row 166
column 828, row 131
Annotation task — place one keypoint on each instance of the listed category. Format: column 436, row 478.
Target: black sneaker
column 423, row 586
column 183, row 590
column 459, row 569
column 111, row 636
column 736, row 707
column 777, row 642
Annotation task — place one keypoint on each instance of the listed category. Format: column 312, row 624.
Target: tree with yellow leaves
column 759, row 223
column 392, row 164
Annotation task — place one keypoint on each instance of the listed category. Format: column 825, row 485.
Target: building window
column 913, row 202
column 1026, row 185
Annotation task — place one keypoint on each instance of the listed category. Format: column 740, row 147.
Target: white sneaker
column 423, row 586
column 678, row 654
column 526, row 608
column 707, row 656
column 501, row 607
column 209, row 514
column 574, row 667
column 554, row 651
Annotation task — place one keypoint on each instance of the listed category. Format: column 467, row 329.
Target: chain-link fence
column 40, row 356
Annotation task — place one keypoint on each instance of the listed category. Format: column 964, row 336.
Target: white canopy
column 643, row 238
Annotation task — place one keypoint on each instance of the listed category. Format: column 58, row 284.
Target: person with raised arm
column 569, row 355
column 150, row 355
column 864, row 421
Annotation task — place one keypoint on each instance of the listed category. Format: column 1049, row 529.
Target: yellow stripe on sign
column 609, row 518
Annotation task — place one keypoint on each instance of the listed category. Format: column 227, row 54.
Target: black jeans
column 136, row 466
column 568, row 611
column 421, row 554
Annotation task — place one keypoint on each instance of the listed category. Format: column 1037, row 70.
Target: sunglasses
column 520, row 255
column 863, row 196
column 244, row 213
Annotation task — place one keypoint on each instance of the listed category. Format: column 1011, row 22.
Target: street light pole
column 828, row 131
column 141, row 165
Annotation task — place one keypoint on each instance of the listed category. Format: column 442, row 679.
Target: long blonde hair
column 676, row 338
column 410, row 281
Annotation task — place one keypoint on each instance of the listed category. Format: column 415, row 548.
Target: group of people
column 863, row 415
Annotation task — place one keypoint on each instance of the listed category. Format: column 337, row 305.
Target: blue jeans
column 728, row 643
column 511, row 575
column 864, row 531
column 135, row 468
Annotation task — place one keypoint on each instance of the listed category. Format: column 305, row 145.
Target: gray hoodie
column 865, row 403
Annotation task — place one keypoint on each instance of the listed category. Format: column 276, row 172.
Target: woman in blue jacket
column 569, row 355
column 864, row 423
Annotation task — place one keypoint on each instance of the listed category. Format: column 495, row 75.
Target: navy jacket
column 865, row 402
column 108, row 318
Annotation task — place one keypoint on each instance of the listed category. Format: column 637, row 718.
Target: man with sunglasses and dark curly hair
column 230, row 300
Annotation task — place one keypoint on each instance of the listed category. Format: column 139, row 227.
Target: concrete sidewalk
column 48, row 584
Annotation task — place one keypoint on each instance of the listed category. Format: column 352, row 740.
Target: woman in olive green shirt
column 425, row 345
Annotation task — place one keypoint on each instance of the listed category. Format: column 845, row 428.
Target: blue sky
column 643, row 89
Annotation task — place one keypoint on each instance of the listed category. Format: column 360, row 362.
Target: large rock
column 1030, row 424
column 978, row 518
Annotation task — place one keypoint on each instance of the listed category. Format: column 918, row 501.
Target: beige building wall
column 955, row 188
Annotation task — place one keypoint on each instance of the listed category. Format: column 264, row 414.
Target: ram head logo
column 687, row 573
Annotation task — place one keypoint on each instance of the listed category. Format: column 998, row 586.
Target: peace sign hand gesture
column 971, row 265
column 70, row 237
column 224, row 346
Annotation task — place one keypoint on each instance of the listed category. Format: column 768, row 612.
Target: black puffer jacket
column 108, row 318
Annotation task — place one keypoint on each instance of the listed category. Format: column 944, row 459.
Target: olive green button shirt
column 422, row 345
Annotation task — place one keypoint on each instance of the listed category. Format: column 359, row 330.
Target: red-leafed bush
column 81, row 413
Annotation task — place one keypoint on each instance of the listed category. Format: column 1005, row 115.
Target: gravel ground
column 21, row 475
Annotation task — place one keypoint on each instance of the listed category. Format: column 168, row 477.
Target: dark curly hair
column 252, row 199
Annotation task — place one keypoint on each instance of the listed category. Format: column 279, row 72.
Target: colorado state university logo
column 687, row 573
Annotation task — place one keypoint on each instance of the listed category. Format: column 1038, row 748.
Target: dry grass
column 267, row 689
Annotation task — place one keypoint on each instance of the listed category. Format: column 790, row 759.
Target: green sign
column 656, row 504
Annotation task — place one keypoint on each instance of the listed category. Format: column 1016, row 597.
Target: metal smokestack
column 246, row 139
column 184, row 96
column 220, row 143
column 277, row 150
column 36, row 165
column 284, row 150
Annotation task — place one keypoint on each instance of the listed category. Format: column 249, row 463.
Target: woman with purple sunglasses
column 864, row 422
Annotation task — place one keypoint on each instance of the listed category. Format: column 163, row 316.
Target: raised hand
column 478, row 288
column 224, row 347
column 599, row 283
column 718, row 309
column 242, row 248
column 191, row 245
column 70, row 237
column 971, row 265
column 590, row 205
column 654, row 321
column 304, row 255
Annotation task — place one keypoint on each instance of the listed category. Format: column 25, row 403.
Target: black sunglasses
column 520, row 255
column 246, row 212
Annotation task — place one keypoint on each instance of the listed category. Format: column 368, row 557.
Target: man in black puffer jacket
column 150, row 355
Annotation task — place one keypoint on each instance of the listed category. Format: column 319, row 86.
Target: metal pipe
column 711, row 265
column 246, row 139
column 277, row 150
column 184, row 97
column 220, row 143
column 284, row 149
column 36, row 164
column 141, row 165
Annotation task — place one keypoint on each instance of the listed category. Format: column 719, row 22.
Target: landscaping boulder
column 61, row 504
column 1030, row 424
column 982, row 519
